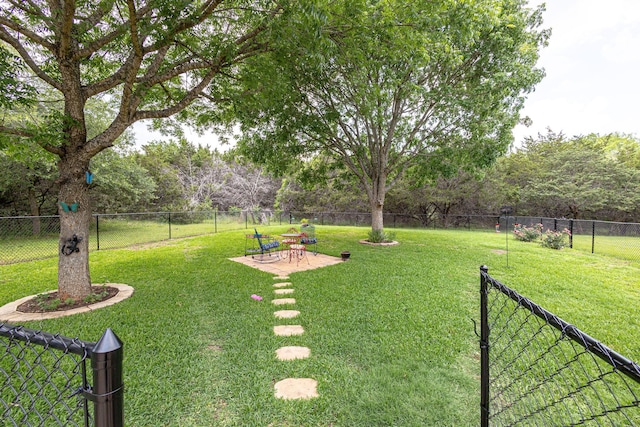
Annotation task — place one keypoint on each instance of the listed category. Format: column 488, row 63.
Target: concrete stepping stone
column 296, row 388
column 283, row 291
column 288, row 330
column 282, row 284
column 286, row 314
column 281, row 278
column 293, row 353
column 282, row 301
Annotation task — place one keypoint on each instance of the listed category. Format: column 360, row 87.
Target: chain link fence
column 619, row 239
column 22, row 240
column 39, row 381
column 44, row 379
column 396, row 220
column 536, row 369
column 31, row 238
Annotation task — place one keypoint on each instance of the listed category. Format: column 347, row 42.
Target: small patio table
column 291, row 247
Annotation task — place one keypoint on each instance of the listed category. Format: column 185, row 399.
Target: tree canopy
column 150, row 59
column 430, row 86
column 579, row 177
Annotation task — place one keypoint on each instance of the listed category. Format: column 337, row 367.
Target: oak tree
column 152, row 59
column 389, row 86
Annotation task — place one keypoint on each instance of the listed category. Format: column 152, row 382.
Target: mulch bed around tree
column 46, row 303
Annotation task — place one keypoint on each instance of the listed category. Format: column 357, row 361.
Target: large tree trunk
column 376, row 199
column 74, row 280
column 376, row 192
column 377, row 216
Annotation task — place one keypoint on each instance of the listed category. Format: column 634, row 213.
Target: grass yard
column 390, row 331
column 616, row 246
column 116, row 232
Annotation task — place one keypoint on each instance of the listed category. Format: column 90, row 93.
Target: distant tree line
column 585, row 177
column 162, row 176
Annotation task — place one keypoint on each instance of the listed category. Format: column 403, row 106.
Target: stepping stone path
column 288, row 330
column 283, row 301
column 293, row 353
column 296, row 388
column 286, row 314
column 282, row 284
column 291, row 388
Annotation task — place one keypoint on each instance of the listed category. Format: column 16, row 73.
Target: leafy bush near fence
column 556, row 239
column 527, row 234
column 549, row 239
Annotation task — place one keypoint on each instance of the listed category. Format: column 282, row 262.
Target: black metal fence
column 621, row 239
column 397, row 220
column 30, row 238
column 44, row 380
column 536, row 369
column 25, row 239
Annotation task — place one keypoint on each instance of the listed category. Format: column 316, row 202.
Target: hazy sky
column 592, row 66
column 593, row 70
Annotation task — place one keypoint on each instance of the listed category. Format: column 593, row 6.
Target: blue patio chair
column 265, row 250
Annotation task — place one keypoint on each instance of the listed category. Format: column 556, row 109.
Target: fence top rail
column 29, row 217
column 486, row 215
column 70, row 345
column 606, row 222
column 135, row 213
column 574, row 220
column 610, row 356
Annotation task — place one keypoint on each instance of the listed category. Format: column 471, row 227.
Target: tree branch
column 66, row 48
column 15, row 43
column 34, row 37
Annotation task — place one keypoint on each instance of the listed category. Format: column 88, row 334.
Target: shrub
column 527, row 234
column 555, row 239
column 96, row 296
column 379, row 236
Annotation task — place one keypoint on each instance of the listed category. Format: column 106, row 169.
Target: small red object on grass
column 256, row 297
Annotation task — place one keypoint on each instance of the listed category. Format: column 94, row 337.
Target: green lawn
column 617, row 246
column 119, row 232
column 390, row 331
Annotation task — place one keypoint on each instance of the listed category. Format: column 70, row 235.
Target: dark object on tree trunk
column 72, row 245
column 69, row 208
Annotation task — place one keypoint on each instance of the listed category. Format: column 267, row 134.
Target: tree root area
column 46, row 303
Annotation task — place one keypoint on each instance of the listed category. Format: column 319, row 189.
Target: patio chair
column 299, row 252
column 291, row 237
column 265, row 250
column 308, row 237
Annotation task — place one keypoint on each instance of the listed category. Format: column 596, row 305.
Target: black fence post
column 484, row 349
column 571, row 233
column 97, row 232
column 108, row 388
column 593, row 235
